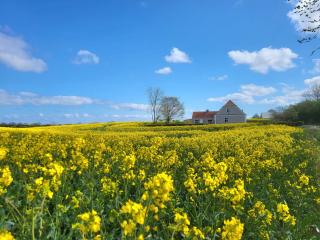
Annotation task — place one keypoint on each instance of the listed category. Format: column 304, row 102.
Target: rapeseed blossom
column 135, row 210
column 259, row 211
column 159, row 182
column 128, row 227
column 158, row 188
column 236, row 194
column 3, row 153
column 88, row 222
column 232, row 229
column 6, row 235
column 181, row 223
column 304, row 179
column 284, row 214
column 5, row 179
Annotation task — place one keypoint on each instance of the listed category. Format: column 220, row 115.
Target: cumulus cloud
column 127, row 116
column 29, row 98
column 164, row 71
column 14, row 53
column 253, row 94
column 86, row 57
column 177, row 56
column 286, row 99
column 246, row 94
column 76, row 115
column 289, row 96
column 316, row 67
column 265, row 59
column 312, row 81
column 130, row 106
column 24, row 98
column 238, row 96
column 219, row 78
column 255, row 90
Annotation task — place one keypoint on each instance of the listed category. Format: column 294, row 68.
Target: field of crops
column 133, row 181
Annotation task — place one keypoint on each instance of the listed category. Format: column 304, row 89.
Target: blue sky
column 85, row 61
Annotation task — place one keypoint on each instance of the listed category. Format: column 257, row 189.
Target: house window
column 227, row 110
column 210, row 121
column 196, row 121
column 226, row 120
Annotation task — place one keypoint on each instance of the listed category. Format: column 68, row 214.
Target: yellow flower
column 235, row 194
column 232, row 229
column 3, row 153
column 89, row 222
column 5, row 235
column 181, row 223
column 259, row 210
column 304, row 179
column 97, row 237
column 5, row 179
column 140, row 237
column 109, row 187
column 128, row 162
column 128, row 227
column 38, row 181
column 159, row 188
column 197, row 234
column 85, row 216
column 284, row 214
column 135, row 210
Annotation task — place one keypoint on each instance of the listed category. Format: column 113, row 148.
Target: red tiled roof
column 206, row 114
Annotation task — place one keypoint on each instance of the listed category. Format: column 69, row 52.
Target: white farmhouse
column 229, row 113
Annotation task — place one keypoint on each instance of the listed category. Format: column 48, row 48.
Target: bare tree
column 313, row 93
column 171, row 108
column 308, row 13
column 154, row 97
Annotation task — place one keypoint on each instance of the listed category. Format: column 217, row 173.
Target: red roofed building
column 203, row 117
column 229, row 113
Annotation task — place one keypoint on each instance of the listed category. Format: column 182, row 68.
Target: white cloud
column 254, row 90
column 128, row 116
column 303, row 21
column 76, row 115
column 14, row 53
column 266, row 59
column 23, row 98
column 238, row 96
column 253, row 94
column 316, row 67
column 164, row 71
column 312, row 81
column 219, row 78
column 86, row 57
column 177, row 56
column 246, row 94
column 29, row 98
column 290, row 96
column 131, row 106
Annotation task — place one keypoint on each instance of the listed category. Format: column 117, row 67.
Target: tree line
column 305, row 112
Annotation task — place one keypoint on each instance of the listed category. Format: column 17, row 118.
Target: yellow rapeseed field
column 134, row 181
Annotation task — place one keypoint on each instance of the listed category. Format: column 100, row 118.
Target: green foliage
column 306, row 112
